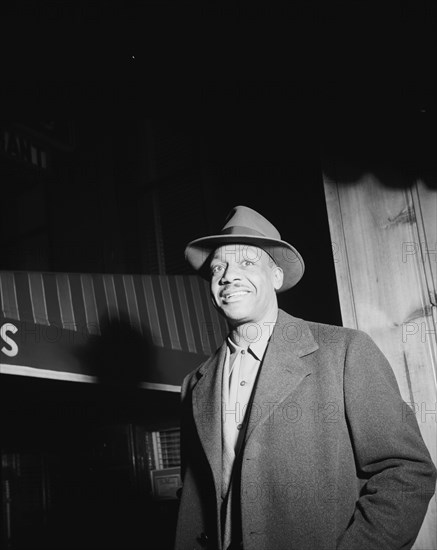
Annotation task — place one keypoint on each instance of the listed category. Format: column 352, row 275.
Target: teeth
column 239, row 293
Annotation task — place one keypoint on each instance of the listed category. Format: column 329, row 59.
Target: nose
column 230, row 274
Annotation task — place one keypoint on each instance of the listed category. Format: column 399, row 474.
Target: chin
column 236, row 315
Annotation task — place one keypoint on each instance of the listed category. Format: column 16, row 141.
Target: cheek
column 214, row 292
column 267, row 289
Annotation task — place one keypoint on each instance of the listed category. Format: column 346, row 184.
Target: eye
column 217, row 268
column 247, row 263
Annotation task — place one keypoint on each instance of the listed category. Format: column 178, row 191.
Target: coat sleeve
column 391, row 457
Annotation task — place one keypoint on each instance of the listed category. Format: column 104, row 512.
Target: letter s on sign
column 13, row 348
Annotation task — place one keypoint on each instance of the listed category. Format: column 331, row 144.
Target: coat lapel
column 283, row 367
column 207, row 409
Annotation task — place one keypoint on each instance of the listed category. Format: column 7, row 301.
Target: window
column 164, row 449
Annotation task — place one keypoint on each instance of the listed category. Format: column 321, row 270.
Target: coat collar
column 290, row 332
column 294, row 335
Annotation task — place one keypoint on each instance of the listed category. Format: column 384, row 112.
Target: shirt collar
column 257, row 348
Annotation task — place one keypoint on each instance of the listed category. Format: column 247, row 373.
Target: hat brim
column 285, row 255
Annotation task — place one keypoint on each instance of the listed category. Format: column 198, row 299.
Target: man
column 294, row 433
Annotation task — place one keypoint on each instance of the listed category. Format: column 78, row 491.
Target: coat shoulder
column 191, row 378
column 352, row 349
column 311, row 335
column 326, row 335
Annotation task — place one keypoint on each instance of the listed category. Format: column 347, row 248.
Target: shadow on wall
column 398, row 149
column 121, row 356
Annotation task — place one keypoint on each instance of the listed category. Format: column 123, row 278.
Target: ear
column 278, row 277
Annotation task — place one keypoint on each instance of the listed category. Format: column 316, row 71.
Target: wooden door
column 384, row 241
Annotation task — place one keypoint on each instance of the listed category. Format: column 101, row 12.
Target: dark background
column 266, row 93
column 262, row 95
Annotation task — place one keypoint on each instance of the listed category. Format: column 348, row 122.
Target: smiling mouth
column 237, row 294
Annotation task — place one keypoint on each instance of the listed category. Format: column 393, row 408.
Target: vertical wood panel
column 383, row 239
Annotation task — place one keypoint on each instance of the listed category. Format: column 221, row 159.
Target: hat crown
column 244, row 220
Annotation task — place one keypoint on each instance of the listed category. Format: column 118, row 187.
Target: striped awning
column 174, row 311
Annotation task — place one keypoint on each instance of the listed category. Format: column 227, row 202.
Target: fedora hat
column 243, row 225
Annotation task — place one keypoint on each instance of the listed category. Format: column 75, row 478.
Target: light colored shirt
column 239, row 375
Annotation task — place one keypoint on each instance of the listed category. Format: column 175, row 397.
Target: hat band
column 240, row 230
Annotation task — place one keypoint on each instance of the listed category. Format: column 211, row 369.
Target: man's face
column 243, row 283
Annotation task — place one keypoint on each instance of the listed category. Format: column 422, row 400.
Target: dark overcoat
column 333, row 457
